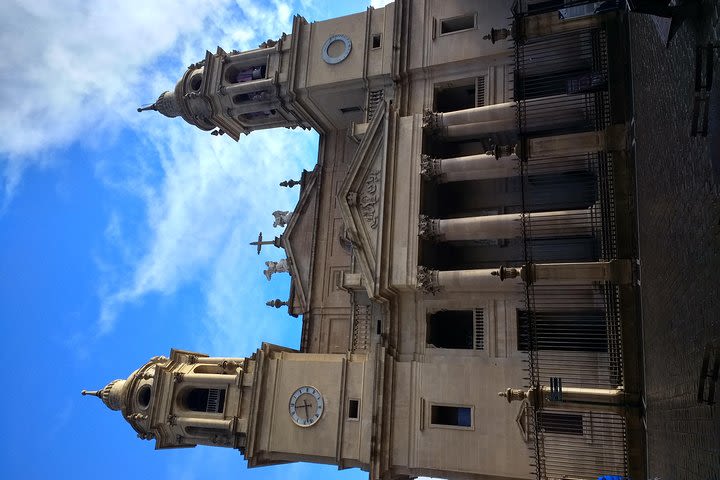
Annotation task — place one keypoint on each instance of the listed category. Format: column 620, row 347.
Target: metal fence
column 571, row 332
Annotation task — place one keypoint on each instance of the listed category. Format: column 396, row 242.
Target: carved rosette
column 431, row 120
column 427, row 280
column 430, row 168
column 428, row 228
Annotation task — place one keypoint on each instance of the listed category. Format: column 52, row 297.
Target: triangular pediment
column 361, row 197
column 298, row 241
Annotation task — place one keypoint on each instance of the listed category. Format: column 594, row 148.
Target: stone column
column 491, row 227
column 472, row 167
column 509, row 278
column 570, row 144
column 472, row 121
column 618, row 271
column 485, row 280
column 247, row 87
column 549, row 23
column 251, row 107
column 205, row 422
column 608, row 400
column 502, row 117
column 208, row 379
column 250, row 56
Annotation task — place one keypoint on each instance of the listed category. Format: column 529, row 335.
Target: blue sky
column 123, row 235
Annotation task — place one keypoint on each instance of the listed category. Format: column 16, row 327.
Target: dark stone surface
column 678, row 211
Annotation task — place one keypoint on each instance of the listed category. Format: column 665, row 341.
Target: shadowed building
column 466, row 231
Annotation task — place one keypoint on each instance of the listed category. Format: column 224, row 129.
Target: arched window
column 210, row 400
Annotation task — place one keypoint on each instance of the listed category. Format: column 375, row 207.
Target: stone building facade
column 467, row 230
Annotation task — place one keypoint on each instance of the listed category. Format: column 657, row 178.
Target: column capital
column 430, row 167
column 427, row 280
column 431, row 120
column 428, row 228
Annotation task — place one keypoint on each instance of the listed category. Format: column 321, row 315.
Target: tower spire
column 94, row 393
column 148, row 107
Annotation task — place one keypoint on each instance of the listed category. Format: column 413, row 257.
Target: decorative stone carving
column 276, row 267
column 172, row 419
column 513, row 394
column 500, row 151
column 369, row 197
column 352, row 198
column 427, row 280
column 282, row 218
column 431, row 120
column 178, row 377
column 269, row 43
column 430, row 168
column 428, row 228
column 506, row 272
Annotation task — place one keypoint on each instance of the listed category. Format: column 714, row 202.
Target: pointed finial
column 290, row 183
column 94, row 393
column 147, row 107
column 277, row 303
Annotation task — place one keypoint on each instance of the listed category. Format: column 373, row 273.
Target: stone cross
column 259, row 243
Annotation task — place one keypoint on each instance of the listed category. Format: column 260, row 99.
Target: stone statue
column 282, row 218
column 276, row 267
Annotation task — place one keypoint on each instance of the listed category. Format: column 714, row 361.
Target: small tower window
column 211, row 400
column 196, row 82
column 376, row 40
column 457, row 24
column 143, row 396
column 353, row 409
column 451, row 416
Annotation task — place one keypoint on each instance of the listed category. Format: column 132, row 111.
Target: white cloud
column 379, row 3
column 73, row 69
column 76, row 71
column 214, row 197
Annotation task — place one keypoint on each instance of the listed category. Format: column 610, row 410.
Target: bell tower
column 275, row 406
column 235, row 92
column 186, row 400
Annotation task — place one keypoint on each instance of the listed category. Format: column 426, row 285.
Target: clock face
column 306, row 406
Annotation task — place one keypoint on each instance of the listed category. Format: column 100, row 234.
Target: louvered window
column 480, row 92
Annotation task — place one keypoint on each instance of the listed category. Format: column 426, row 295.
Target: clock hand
column 306, row 405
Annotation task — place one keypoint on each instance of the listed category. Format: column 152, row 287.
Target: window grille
column 374, row 99
column 213, row 400
column 479, row 336
column 480, row 91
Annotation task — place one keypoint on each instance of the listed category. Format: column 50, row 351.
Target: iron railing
column 570, row 332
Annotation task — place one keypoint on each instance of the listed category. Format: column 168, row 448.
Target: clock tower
column 276, row 406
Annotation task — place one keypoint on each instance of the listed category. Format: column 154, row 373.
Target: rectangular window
column 353, row 409
column 450, row 416
column 376, row 40
column 460, row 94
column 563, row 423
column 457, row 24
column 457, row 329
column 350, row 109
